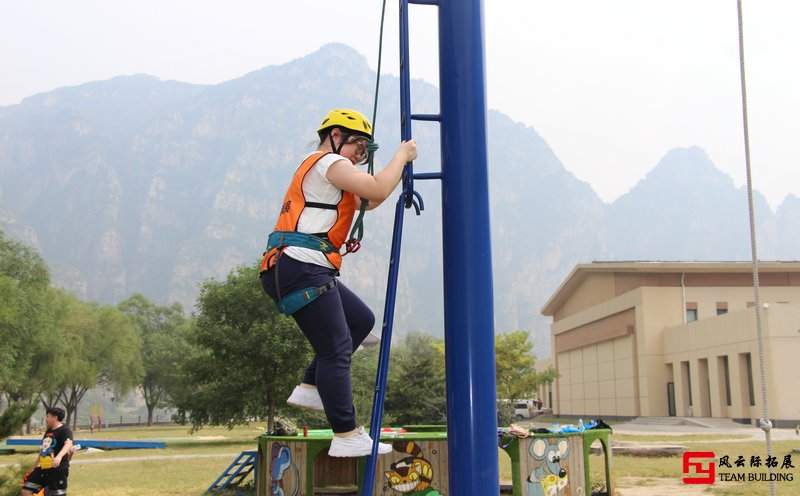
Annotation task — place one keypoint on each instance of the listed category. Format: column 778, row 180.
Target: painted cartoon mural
column 283, row 473
column 550, row 477
column 411, row 475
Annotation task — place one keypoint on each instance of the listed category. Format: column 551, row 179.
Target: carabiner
column 352, row 245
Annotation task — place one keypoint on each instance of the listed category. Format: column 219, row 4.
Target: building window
column 727, row 373
column 722, row 307
column 749, row 365
column 722, row 311
column 691, row 311
column 688, row 382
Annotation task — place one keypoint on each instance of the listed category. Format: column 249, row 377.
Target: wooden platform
column 302, row 464
column 419, row 464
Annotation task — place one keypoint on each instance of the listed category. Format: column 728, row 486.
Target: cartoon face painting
column 549, row 478
column 48, row 445
column 411, row 475
column 283, row 472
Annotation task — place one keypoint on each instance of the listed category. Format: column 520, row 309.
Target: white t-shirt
column 317, row 188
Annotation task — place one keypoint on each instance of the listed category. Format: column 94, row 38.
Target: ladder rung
column 428, row 175
column 426, row 117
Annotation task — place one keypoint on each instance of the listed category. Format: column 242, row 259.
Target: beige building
column 634, row 339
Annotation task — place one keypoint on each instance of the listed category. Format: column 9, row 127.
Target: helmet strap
column 338, row 150
column 333, row 144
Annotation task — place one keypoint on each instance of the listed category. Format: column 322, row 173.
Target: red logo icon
column 704, row 473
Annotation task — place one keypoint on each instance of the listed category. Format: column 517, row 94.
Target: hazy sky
column 611, row 86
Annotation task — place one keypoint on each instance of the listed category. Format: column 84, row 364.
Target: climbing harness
column 278, row 240
column 281, row 239
column 294, row 301
column 354, row 124
column 285, row 235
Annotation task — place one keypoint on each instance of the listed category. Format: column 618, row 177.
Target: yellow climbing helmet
column 348, row 119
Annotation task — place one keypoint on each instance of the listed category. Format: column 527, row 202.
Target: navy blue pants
column 335, row 324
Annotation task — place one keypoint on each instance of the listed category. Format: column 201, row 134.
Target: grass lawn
column 184, row 477
column 187, row 466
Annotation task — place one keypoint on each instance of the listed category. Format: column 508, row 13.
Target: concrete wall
column 598, row 380
column 708, row 343
column 783, row 353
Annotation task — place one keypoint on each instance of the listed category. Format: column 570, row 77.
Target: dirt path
column 650, row 486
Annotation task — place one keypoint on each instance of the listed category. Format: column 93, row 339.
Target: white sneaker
column 359, row 444
column 306, row 398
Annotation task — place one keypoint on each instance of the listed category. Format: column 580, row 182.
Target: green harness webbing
column 283, row 239
column 294, row 301
column 357, row 232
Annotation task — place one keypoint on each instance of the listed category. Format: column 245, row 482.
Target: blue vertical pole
column 405, row 99
column 469, row 311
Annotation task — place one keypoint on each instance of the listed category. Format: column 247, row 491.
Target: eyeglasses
column 362, row 145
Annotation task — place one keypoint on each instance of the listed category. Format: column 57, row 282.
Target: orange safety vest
column 295, row 202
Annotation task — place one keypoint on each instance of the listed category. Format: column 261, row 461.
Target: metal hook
column 352, row 245
column 419, row 198
column 413, row 199
column 408, row 185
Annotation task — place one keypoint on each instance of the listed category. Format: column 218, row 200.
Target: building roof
column 581, row 271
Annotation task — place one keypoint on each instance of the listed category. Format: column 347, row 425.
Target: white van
column 523, row 409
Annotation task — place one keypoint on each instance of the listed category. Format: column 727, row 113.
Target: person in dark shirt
column 52, row 465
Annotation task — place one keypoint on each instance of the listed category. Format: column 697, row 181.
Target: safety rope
column 764, row 423
column 357, row 232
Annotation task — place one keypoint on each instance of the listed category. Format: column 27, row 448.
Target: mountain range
column 139, row 185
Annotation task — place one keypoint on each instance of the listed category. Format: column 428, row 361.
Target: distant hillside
column 140, row 185
column 686, row 209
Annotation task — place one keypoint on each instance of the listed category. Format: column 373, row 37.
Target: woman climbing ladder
column 302, row 261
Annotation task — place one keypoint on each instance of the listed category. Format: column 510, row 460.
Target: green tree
column 25, row 320
column 164, row 347
column 10, row 477
column 22, row 264
column 246, row 357
column 13, row 417
column 96, row 345
column 14, row 357
column 547, row 377
column 416, row 386
column 514, row 361
column 363, row 367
